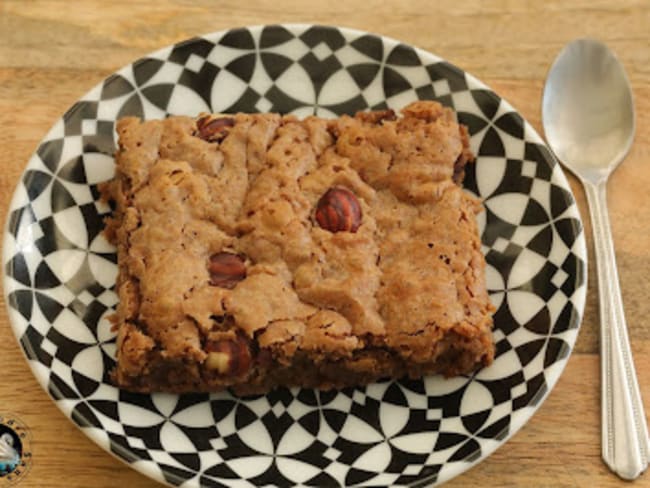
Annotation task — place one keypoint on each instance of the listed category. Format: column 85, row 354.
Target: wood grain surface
column 52, row 52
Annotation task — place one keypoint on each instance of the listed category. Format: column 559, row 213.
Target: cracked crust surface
column 403, row 295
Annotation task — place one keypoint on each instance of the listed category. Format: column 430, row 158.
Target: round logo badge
column 15, row 450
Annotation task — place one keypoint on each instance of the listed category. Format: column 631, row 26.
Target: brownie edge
column 260, row 250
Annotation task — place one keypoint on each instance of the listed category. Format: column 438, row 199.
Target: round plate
column 60, row 273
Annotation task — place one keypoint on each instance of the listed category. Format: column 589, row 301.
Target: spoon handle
column 625, row 446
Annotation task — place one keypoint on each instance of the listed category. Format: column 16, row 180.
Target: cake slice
column 260, row 250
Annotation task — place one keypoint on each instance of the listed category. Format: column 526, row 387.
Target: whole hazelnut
column 229, row 356
column 226, row 269
column 338, row 210
column 213, row 129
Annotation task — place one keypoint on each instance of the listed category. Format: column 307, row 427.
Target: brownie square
column 260, row 250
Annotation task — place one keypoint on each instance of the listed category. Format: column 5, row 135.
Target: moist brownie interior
column 260, row 250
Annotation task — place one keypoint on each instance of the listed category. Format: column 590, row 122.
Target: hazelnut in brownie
column 260, row 250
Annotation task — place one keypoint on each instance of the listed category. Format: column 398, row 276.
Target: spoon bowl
column 588, row 109
column 588, row 119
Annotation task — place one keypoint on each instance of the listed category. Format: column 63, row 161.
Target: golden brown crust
column 401, row 293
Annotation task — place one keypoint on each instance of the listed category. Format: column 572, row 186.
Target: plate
column 60, row 273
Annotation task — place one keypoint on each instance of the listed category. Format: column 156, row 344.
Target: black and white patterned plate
column 60, row 273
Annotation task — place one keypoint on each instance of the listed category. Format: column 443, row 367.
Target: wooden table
column 51, row 52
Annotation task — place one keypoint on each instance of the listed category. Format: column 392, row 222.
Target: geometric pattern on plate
column 60, row 273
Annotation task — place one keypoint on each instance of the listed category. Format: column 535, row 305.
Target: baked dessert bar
column 260, row 250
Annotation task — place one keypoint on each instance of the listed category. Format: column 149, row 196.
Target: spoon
column 588, row 118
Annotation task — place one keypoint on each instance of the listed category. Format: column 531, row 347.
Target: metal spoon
column 588, row 118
